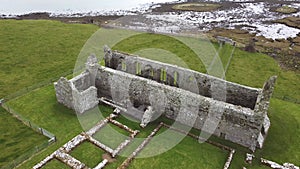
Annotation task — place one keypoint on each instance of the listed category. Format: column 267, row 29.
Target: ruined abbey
column 147, row 89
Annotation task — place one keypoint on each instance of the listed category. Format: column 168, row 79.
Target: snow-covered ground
column 254, row 17
column 276, row 31
column 248, row 15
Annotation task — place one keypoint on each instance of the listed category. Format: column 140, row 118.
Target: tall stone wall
column 186, row 79
column 63, row 91
column 237, row 124
column 82, row 82
column 85, row 100
column 262, row 106
column 78, row 93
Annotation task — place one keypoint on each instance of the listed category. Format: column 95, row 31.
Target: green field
column 30, row 52
column 16, row 139
column 40, row 106
column 33, row 51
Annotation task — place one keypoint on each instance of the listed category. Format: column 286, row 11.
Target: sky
column 55, row 6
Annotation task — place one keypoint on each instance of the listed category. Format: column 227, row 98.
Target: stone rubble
column 98, row 126
column 147, row 117
column 229, row 159
column 102, row 164
column 124, row 144
column 120, row 125
column 102, row 146
column 278, row 166
column 44, row 162
column 249, row 158
column 69, row 160
column 62, row 153
column 73, row 143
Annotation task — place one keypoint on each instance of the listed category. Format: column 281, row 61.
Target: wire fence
column 34, row 87
column 19, row 160
column 28, row 122
column 51, row 137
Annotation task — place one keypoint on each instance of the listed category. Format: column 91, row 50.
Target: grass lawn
column 41, row 107
column 33, row 51
column 187, row 154
column 16, row 139
column 88, row 153
column 55, row 164
column 36, row 50
column 110, row 136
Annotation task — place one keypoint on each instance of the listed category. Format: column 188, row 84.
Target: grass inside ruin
column 111, row 135
column 199, row 7
column 88, row 154
column 187, row 154
column 55, row 164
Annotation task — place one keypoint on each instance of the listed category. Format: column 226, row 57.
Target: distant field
column 286, row 10
column 41, row 107
column 36, row 50
column 199, row 7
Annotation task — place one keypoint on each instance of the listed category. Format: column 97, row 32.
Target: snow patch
column 276, row 31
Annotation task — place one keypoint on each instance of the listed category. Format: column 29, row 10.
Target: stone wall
column 82, row 82
column 237, row 124
column 186, row 79
column 180, row 94
column 63, row 90
column 85, row 100
column 77, row 93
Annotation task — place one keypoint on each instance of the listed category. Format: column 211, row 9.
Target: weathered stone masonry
column 180, row 94
column 79, row 93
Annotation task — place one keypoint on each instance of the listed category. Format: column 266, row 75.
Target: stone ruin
column 78, row 93
column 146, row 89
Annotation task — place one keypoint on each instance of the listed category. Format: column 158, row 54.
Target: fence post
column 41, row 130
column 1, row 102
